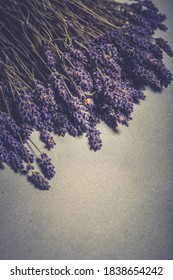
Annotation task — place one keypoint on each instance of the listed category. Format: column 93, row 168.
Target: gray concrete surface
column 113, row 204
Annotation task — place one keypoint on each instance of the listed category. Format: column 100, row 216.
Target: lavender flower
column 164, row 46
column 16, row 162
column 94, row 139
column 47, row 138
column 50, row 56
column 46, row 166
column 7, row 122
column 25, row 131
column 17, row 147
column 39, row 181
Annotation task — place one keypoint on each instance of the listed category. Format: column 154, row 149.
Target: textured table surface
column 113, row 204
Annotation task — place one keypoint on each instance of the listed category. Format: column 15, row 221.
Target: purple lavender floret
column 4, row 86
column 82, row 78
column 74, row 130
column 16, row 162
column 7, row 122
column 76, row 53
column 12, row 159
column 59, row 86
column 79, row 113
column 47, row 167
column 50, row 56
column 4, row 153
column 156, row 51
column 61, row 124
column 47, row 138
column 28, row 112
column 52, row 102
column 94, row 139
column 14, row 145
column 164, row 46
column 39, row 181
column 26, row 131
column 46, row 101
column 40, row 94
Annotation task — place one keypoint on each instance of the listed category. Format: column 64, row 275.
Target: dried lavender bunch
column 66, row 66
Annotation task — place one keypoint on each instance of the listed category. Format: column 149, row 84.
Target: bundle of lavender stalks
column 66, row 65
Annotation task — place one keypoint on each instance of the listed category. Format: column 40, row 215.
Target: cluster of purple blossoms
column 47, row 167
column 39, row 181
column 48, row 139
column 89, row 82
column 94, row 139
column 50, row 57
column 12, row 151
